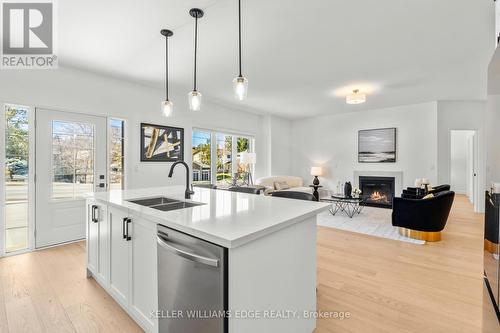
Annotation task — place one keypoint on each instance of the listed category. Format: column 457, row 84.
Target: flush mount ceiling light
column 240, row 83
column 167, row 106
column 195, row 96
column 356, row 97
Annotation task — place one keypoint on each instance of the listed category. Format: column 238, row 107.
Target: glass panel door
column 201, row 150
column 117, row 151
column 16, row 177
column 71, row 161
column 224, row 159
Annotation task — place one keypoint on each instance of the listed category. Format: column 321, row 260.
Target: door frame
column 32, row 166
column 475, row 162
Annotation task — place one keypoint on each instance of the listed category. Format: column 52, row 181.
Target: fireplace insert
column 377, row 191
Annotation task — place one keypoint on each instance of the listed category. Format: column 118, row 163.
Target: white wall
column 493, row 140
column 462, row 115
column 80, row 91
column 332, row 142
column 281, row 133
column 493, row 120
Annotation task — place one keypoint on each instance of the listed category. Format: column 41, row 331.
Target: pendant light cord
column 195, row 47
column 239, row 29
column 166, row 66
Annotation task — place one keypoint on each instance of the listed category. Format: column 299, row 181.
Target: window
column 224, row 159
column 201, row 150
column 117, row 149
column 16, row 177
column 226, row 149
column 72, row 159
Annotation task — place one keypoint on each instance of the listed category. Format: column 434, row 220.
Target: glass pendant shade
column 355, row 98
column 194, row 100
column 167, row 107
column 240, row 85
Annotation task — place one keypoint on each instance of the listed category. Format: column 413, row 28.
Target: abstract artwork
column 377, row 145
column 161, row 143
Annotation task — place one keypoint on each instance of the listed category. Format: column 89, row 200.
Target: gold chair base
column 490, row 246
column 428, row 236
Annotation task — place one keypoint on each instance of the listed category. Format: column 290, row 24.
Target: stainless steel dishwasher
column 192, row 284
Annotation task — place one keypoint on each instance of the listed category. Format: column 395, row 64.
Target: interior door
column 70, row 162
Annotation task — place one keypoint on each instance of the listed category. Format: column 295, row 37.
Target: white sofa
column 295, row 183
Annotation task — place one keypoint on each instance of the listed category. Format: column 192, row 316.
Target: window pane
column 224, row 159
column 201, row 150
column 16, row 177
column 117, row 154
column 243, row 146
column 72, row 159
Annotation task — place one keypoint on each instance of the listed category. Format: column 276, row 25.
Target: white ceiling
column 300, row 57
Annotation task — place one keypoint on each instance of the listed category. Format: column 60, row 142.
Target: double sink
column 164, row 204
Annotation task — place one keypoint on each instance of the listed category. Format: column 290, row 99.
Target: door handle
column 190, row 256
column 126, row 232
column 123, row 227
column 95, row 209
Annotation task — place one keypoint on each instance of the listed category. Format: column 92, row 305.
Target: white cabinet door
column 144, row 295
column 119, row 255
column 103, row 243
column 92, row 238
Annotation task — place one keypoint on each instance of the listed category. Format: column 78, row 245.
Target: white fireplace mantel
column 398, row 178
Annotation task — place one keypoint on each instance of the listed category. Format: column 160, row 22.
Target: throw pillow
column 278, row 186
column 429, row 196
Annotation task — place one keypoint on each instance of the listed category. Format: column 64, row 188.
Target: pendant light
column 195, row 96
column 240, row 83
column 356, row 97
column 167, row 106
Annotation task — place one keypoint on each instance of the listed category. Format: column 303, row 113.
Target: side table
column 316, row 193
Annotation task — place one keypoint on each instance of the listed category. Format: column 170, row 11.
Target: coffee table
column 349, row 205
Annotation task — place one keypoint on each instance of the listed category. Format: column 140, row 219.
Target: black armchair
column 418, row 193
column 422, row 218
column 440, row 188
column 294, row 195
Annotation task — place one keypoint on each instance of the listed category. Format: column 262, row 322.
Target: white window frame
column 31, row 179
column 125, row 144
column 234, row 155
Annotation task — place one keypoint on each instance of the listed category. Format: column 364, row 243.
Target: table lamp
column 316, row 171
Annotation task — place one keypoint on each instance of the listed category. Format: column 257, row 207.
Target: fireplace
column 377, row 191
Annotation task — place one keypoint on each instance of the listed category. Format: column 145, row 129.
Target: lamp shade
column 316, row 171
column 248, row 158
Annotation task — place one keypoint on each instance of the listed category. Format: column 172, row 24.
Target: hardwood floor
column 385, row 285
column 47, row 291
column 391, row 286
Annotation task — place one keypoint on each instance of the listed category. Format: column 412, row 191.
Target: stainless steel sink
column 153, row 201
column 164, row 203
column 177, row 205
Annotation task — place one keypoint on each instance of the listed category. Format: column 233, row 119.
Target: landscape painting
column 161, row 143
column 377, row 145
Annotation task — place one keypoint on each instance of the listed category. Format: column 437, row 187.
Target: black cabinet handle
column 128, row 222
column 123, row 227
column 94, row 217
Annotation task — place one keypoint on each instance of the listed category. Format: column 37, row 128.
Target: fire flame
column 377, row 196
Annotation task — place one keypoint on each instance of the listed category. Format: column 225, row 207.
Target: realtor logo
column 28, row 35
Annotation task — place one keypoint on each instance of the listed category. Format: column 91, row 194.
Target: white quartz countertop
column 229, row 219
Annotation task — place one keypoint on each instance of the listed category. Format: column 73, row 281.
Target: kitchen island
column 264, row 278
